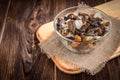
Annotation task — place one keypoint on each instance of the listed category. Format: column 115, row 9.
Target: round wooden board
column 44, row 32
column 67, row 67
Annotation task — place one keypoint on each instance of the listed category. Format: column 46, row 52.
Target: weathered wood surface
column 20, row 56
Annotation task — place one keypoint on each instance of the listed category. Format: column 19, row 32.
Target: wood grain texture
column 3, row 8
column 16, row 66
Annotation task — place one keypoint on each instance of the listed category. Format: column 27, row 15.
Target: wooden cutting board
column 111, row 8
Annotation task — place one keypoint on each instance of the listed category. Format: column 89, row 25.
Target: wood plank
column 14, row 58
column 9, row 56
column 3, row 17
column 3, row 8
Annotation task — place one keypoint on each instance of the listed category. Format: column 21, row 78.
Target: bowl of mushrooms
column 81, row 29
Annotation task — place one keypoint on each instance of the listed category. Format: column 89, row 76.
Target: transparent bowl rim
column 65, row 38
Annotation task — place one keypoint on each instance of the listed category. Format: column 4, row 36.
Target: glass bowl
column 84, row 46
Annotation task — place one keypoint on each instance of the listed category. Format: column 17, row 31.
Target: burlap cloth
column 92, row 62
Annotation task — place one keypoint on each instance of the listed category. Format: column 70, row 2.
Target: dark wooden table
column 20, row 56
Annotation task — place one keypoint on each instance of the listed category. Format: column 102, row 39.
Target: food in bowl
column 81, row 32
